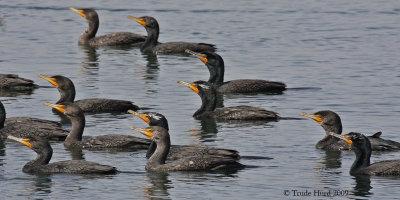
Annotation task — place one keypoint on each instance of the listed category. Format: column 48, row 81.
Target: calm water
column 349, row 49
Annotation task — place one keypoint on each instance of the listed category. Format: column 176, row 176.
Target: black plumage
column 331, row 122
column 216, row 67
column 157, row 163
column 74, row 138
column 181, row 151
column 66, row 88
column 151, row 45
column 113, row 39
column 208, row 96
column 44, row 153
column 362, row 165
column 28, row 126
column 14, row 82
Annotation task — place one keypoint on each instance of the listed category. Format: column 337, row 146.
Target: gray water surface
column 348, row 49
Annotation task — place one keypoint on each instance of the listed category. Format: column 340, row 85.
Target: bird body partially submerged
column 362, row 164
column 44, row 153
column 28, row 126
column 331, row 122
column 74, row 138
column 208, row 96
column 216, row 67
column 113, row 39
column 66, row 88
column 157, row 163
column 151, row 45
column 14, row 82
column 181, row 151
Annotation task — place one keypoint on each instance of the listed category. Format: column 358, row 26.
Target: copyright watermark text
column 316, row 193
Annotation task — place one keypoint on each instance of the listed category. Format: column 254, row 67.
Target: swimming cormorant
column 362, row 164
column 28, row 126
column 113, row 39
column 14, row 82
column 216, row 67
column 181, row 151
column 66, row 89
column 331, row 122
column 44, row 152
column 190, row 163
column 208, row 96
column 151, row 45
column 74, row 138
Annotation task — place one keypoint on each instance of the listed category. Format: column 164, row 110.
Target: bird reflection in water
column 90, row 63
column 42, row 184
column 208, row 131
column 152, row 66
column 332, row 159
column 158, row 185
column 363, row 185
column 76, row 153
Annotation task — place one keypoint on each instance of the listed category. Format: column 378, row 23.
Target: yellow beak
column 190, row 85
column 141, row 116
column 51, row 80
column 317, row 118
column 79, row 12
column 342, row 137
column 145, row 131
column 21, row 140
column 201, row 56
column 56, row 106
column 138, row 20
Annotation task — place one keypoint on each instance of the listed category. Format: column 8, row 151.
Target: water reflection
column 14, row 93
column 207, row 132
column 76, row 153
column 43, row 184
column 332, row 159
column 158, row 185
column 90, row 63
column 152, row 66
column 363, row 185
column 2, row 153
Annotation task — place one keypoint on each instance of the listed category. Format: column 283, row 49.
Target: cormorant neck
column 151, row 149
column 336, row 128
column 208, row 103
column 66, row 94
column 78, row 125
column 43, row 158
column 90, row 32
column 160, row 154
column 2, row 115
column 216, row 73
column 329, row 139
column 363, row 155
column 326, row 141
column 152, row 39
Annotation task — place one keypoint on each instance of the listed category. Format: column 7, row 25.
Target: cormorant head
column 329, row 120
column 69, row 109
column 59, row 81
column 155, row 133
column 36, row 143
column 87, row 13
column 152, row 118
column 202, row 88
column 208, row 57
column 358, row 139
column 146, row 21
